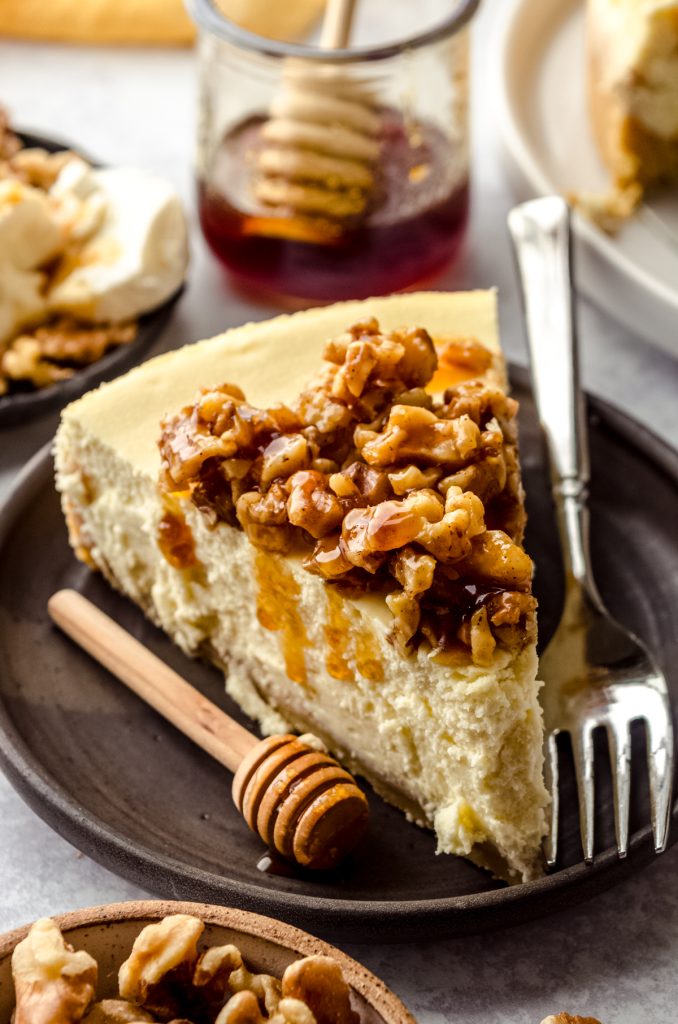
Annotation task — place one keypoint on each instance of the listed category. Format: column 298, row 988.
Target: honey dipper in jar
column 320, row 146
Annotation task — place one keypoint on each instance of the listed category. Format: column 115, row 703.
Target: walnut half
column 53, row 983
column 158, row 972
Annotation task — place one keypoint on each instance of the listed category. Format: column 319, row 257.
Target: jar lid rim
column 207, row 16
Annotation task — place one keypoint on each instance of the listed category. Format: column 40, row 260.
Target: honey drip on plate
column 277, row 609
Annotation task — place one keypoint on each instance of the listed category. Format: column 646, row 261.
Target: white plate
column 546, row 131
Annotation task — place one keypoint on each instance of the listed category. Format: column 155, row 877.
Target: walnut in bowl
column 162, row 962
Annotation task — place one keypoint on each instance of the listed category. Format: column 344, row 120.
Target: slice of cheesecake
column 633, row 89
column 329, row 508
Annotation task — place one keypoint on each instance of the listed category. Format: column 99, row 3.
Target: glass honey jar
column 328, row 174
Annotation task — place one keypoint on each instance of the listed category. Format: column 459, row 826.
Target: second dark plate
column 21, row 406
column 131, row 792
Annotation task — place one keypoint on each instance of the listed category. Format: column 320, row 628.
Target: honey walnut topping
column 378, row 483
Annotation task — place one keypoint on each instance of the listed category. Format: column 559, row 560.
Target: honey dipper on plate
column 320, row 145
column 295, row 796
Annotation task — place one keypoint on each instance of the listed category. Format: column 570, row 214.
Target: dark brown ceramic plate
column 124, row 787
column 19, row 406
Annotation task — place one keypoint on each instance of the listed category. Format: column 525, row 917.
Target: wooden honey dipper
column 297, row 798
column 321, row 140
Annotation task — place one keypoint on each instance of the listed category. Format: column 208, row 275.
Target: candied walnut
column 415, row 434
column 451, row 537
column 312, row 505
column 373, row 485
column 116, row 1011
column 411, row 478
column 263, row 517
column 365, row 355
column 480, row 402
column 507, row 608
column 343, row 486
column 481, row 640
column 368, row 533
column 221, row 424
column 513, row 616
column 486, row 478
column 413, row 570
column 284, row 456
column 414, row 396
column 506, row 511
column 158, row 972
column 407, row 616
column 420, row 358
column 315, row 407
column 328, row 559
column 53, row 983
column 465, row 353
column 318, row 982
column 494, row 557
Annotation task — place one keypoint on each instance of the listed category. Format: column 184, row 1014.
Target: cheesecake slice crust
column 434, row 701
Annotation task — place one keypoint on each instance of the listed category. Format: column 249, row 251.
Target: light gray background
column 614, row 958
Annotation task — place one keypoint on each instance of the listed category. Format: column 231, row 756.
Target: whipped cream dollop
column 132, row 245
column 102, row 245
column 29, row 238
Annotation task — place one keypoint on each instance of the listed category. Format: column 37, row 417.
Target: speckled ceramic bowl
column 107, row 933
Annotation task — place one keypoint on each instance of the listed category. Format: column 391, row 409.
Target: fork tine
column 659, row 729
column 582, row 750
column 619, row 740
column 551, row 782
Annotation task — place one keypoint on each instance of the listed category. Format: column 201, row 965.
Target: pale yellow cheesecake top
column 270, row 361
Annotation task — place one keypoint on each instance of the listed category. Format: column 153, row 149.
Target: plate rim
column 25, row 406
column 517, row 145
column 397, row 920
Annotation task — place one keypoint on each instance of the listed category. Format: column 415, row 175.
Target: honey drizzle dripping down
column 277, row 609
column 367, row 656
column 336, row 631
column 339, row 629
column 175, row 539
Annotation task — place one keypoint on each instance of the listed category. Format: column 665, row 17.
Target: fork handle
column 540, row 231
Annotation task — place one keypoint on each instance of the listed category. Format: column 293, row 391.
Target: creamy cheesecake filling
column 457, row 746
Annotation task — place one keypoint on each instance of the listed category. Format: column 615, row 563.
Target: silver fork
column 597, row 674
